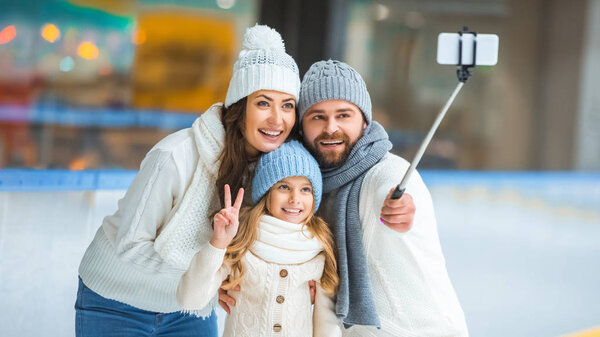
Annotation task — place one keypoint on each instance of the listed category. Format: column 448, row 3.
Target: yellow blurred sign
column 183, row 60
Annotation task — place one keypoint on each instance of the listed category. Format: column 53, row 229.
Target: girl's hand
column 226, row 221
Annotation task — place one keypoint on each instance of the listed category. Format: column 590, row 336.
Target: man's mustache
column 336, row 136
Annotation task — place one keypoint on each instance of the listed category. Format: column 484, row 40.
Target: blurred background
column 87, row 87
column 91, row 84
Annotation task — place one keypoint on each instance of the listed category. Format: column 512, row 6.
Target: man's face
column 331, row 129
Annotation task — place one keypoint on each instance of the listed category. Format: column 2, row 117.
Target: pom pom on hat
column 263, row 65
column 263, row 37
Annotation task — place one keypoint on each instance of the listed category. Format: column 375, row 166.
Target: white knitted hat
column 262, row 65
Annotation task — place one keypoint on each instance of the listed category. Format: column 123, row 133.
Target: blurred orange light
column 8, row 34
column 88, row 50
column 77, row 165
column 50, row 32
column 138, row 36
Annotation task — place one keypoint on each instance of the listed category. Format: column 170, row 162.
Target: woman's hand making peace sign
column 226, row 222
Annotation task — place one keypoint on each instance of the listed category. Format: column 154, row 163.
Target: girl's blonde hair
column 248, row 233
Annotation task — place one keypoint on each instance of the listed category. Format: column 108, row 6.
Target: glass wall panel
column 88, row 84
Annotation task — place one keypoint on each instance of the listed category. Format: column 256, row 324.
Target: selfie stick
column 463, row 74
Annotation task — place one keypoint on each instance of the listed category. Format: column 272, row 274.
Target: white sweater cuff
column 200, row 282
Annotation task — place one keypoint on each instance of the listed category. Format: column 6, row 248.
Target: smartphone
column 486, row 53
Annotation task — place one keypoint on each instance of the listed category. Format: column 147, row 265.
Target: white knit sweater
column 274, row 299
column 139, row 253
column 412, row 290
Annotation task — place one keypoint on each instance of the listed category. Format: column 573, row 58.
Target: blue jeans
column 99, row 316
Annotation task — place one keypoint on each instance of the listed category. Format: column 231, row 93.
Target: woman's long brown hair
column 248, row 233
column 234, row 160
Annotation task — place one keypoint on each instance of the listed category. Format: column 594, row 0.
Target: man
column 392, row 270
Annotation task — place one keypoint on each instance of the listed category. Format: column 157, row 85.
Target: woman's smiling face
column 270, row 117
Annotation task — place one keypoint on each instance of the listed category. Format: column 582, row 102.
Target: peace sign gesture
column 226, row 221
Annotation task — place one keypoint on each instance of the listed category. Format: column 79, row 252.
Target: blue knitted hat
column 290, row 159
column 331, row 79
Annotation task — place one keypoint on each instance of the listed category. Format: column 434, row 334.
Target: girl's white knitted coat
column 274, row 299
column 139, row 253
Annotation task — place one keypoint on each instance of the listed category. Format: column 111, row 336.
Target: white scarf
column 284, row 242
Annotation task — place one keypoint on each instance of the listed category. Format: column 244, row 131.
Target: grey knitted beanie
column 332, row 79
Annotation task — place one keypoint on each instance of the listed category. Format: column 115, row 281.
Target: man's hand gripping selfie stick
column 463, row 74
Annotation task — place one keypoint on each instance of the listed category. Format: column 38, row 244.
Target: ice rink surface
column 522, row 250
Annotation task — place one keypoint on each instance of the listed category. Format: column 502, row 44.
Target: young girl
column 279, row 247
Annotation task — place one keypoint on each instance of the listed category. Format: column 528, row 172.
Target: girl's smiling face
column 291, row 199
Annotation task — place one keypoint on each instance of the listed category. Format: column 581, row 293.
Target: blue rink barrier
column 97, row 117
column 65, row 180
column 115, row 179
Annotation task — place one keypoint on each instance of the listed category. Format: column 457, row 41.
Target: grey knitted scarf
column 355, row 302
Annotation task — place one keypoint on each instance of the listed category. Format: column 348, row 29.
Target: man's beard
column 332, row 159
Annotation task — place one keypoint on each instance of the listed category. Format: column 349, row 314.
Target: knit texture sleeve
column 325, row 321
column 144, row 209
column 425, row 304
column 200, row 282
column 377, row 184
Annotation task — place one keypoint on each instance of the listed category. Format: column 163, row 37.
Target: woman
column 279, row 247
column 130, row 271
